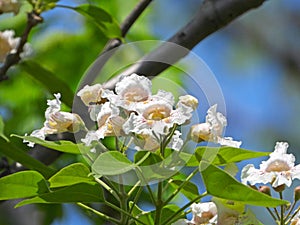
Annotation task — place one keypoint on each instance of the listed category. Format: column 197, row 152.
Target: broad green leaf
column 82, row 192
column 151, row 158
column 143, row 216
column 220, row 184
column 72, row 174
column 168, row 212
column 23, row 158
column 22, row 184
column 62, row 146
column 101, row 18
column 190, row 190
column 2, row 135
column 112, row 163
column 222, row 155
column 49, row 80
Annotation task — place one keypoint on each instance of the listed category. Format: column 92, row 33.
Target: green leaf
column 146, row 217
column 168, row 211
column 23, row 158
column 49, row 80
column 225, row 155
column 72, row 174
column 82, row 192
column 62, row 146
column 190, row 190
column 112, row 163
column 2, row 135
column 22, row 184
column 220, row 184
column 101, row 18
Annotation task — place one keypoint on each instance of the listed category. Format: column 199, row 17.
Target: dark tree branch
column 127, row 24
column 211, row 16
column 12, row 59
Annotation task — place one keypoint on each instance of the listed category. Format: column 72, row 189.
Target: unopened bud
column 189, row 100
column 297, row 193
column 279, row 188
column 265, row 189
column 200, row 132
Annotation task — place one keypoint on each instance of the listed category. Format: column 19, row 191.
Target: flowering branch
column 211, row 16
column 33, row 19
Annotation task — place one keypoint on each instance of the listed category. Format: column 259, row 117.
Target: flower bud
column 297, row 193
column 279, row 188
column 200, row 132
column 265, row 189
column 189, row 101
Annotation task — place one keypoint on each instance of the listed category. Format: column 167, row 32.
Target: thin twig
column 33, row 19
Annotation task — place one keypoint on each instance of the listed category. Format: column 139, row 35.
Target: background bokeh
column 255, row 60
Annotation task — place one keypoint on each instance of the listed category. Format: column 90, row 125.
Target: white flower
column 91, row 95
column 212, row 130
column 278, row 170
column 204, row 213
column 188, row 100
column 9, row 45
column 7, row 6
column 57, row 121
column 40, row 133
column 109, row 121
column 130, row 91
column 296, row 220
column 182, row 222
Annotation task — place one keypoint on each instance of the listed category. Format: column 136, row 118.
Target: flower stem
column 123, row 200
column 182, row 185
column 159, row 203
column 173, row 217
column 281, row 210
column 100, row 214
column 271, row 213
column 294, row 214
column 108, row 188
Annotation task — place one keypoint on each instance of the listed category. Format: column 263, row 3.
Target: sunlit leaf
column 112, row 163
column 72, row 174
column 62, row 146
column 221, row 155
column 22, row 184
column 190, row 190
column 220, row 184
column 82, row 192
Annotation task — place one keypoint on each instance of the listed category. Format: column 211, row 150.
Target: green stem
column 124, row 212
column 159, row 204
column 141, row 175
column 135, row 199
column 182, row 185
column 108, row 188
column 133, row 188
column 123, row 200
column 281, row 210
column 173, row 217
column 290, row 211
column 100, row 214
column 294, row 214
column 272, row 214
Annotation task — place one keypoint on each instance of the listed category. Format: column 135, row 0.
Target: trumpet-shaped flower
column 57, row 121
column 91, row 95
column 9, row 45
column 212, row 129
column 7, row 6
column 130, row 91
column 204, row 213
column 278, row 170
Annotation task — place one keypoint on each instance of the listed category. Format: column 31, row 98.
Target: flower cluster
column 7, row 6
column 9, row 45
column 57, row 121
column 278, row 170
column 132, row 110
